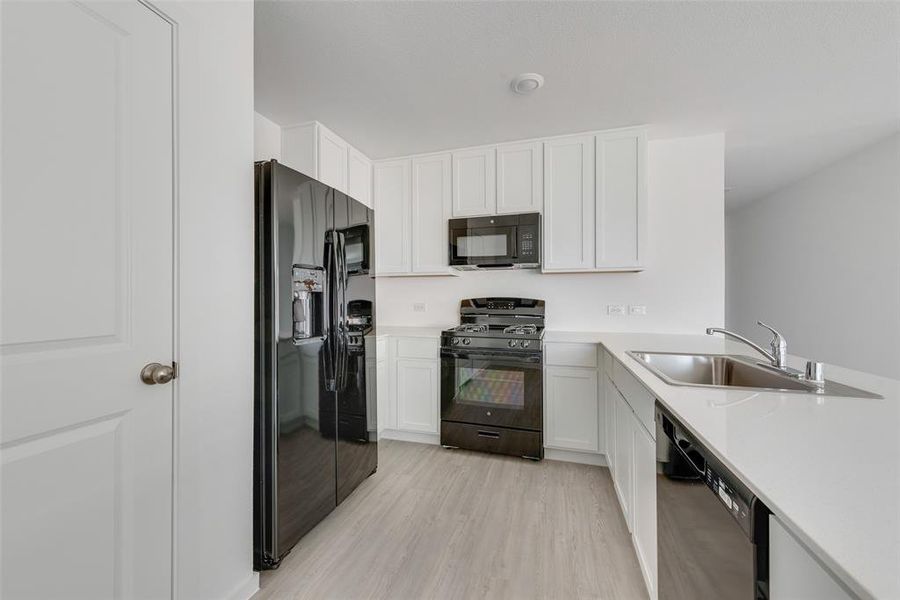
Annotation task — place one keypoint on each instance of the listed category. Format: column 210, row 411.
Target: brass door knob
column 154, row 373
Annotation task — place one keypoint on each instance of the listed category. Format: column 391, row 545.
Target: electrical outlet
column 418, row 307
column 637, row 309
column 615, row 309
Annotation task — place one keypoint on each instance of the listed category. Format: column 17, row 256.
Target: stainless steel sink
column 734, row 372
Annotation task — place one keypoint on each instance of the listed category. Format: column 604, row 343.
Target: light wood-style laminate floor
column 436, row 523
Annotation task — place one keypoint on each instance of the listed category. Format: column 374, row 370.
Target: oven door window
column 484, row 245
column 491, row 390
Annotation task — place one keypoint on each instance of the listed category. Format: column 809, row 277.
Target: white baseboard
column 410, row 436
column 584, row 458
column 245, row 590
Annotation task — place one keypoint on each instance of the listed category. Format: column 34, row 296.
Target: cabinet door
column 474, row 182
column 359, row 178
column 520, row 178
column 572, row 409
column 299, row 147
column 610, row 394
column 430, row 211
column 332, row 159
column 621, row 207
column 392, row 217
column 417, row 395
column 569, row 203
column 644, row 527
column 382, row 392
column 624, row 457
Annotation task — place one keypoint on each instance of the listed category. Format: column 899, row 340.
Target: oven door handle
column 533, row 357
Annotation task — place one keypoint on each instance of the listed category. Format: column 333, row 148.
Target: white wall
column 820, row 260
column 683, row 286
column 266, row 138
column 214, row 411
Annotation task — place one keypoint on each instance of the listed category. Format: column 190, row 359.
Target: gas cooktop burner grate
column 521, row 329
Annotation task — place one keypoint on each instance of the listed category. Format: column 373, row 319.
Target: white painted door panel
column 474, row 182
column 332, row 159
column 621, row 199
column 417, row 395
column 795, row 573
column 569, row 203
column 520, row 178
column 359, row 177
column 572, row 420
column 610, row 394
column 624, row 458
column 430, row 211
column 644, row 527
column 87, row 252
column 392, row 217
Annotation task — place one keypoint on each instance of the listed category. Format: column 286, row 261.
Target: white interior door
column 87, row 300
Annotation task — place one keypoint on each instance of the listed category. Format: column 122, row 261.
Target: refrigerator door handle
column 329, row 349
column 343, row 279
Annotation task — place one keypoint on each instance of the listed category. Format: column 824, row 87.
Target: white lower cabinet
column 644, row 504
column 571, row 420
column 631, row 453
column 413, row 383
column 794, row 572
column 417, row 389
column 624, row 468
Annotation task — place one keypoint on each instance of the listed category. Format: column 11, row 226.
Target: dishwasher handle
column 668, row 428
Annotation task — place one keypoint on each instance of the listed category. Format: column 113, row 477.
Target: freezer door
column 295, row 448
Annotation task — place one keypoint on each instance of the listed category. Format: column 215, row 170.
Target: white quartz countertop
column 827, row 467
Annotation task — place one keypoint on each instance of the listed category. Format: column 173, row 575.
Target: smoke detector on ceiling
column 527, row 83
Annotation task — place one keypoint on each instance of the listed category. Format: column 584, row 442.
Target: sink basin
column 736, row 372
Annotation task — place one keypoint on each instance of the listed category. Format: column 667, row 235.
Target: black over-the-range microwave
column 502, row 241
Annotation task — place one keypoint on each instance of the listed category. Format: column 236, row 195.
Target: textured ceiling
column 794, row 85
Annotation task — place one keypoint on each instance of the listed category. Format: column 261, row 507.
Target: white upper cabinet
column 315, row 150
column 299, row 148
column 332, row 159
column 569, row 203
column 392, row 217
column 595, row 202
column 621, row 209
column 474, row 182
column 359, row 176
column 520, row 178
column 431, row 190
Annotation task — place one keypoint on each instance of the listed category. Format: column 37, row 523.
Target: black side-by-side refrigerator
column 315, row 424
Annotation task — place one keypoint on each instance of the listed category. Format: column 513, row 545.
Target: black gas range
column 492, row 377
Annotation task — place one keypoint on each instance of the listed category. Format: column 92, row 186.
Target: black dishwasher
column 712, row 532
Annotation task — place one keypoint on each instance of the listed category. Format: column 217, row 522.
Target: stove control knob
column 455, row 341
column 512, row 343
column 525, row 343
column 466, row 341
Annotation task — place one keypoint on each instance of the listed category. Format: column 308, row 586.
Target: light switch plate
column 419, row 307
column 637, row 309
column 615, row 309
